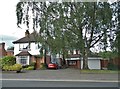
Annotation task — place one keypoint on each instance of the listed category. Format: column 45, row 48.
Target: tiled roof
column 26, row 39
column 23, row 53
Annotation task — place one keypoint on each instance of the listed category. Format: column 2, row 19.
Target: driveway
column 60, row 74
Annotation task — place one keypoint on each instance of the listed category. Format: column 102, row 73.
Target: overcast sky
column 9, row 31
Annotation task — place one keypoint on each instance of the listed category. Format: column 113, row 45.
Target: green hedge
column 112, row 66
column 29, row 68
column 15, row 67
column 7, row 60
column 43, row 66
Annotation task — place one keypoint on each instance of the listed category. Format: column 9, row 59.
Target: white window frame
column 25, row 58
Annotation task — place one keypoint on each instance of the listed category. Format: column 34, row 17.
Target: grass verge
column 100, row 71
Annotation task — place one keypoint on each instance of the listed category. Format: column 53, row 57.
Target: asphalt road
column 19, row 83
column 58, row 78
column 64, row 74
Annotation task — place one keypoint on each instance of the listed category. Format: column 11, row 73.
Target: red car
column 52, row 66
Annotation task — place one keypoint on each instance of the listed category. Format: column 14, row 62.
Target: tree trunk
column 85, row 59
column 45, row 59
column 64, row 62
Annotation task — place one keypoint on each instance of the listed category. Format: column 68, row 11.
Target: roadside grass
column 100, row 71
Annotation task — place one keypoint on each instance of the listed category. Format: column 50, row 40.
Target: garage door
column 92, row 63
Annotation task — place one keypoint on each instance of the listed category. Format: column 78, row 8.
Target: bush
column 112, row 66
column 43, row 66
column 29, row 68
column 32, row 64
column 16, row 67
column 7, row 60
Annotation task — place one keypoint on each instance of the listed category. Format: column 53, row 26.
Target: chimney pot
column 27, row 33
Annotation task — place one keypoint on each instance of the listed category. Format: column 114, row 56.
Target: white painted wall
column 16, row 49
column 17, row 60
column 33, row 49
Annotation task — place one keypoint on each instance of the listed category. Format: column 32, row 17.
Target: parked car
column 52, row 66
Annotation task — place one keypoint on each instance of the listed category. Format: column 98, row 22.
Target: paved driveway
column 60, row 74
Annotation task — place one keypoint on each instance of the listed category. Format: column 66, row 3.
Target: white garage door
column 92, row 63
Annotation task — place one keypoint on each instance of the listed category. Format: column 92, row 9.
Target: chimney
column 2, row 45
column 27, row 33
column 2, row 49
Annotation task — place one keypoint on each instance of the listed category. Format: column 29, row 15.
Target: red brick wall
column 2, row 50
column 10, row 53
column 116, row 61
column 104, row 63
column 76, row 65
column 48, row 59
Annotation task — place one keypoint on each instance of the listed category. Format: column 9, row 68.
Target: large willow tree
column 68, row 25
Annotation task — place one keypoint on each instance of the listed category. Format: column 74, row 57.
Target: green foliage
column 112, row 66
column 8, row 60
column 43, row 66
column 108, row 54
column 32, row 64
column 29, row 68
column 15, row 67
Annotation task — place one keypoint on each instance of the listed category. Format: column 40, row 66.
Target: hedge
column 15, row 67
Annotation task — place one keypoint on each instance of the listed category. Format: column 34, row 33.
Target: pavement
column 60, row 75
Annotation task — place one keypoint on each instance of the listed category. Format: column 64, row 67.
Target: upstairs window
column 25, row 46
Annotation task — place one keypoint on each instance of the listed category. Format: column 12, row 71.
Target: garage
column 77, row 62
column 93, row 62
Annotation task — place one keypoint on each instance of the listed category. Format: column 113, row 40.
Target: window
column 23, row 60
column 25, row 46
column 72, row 62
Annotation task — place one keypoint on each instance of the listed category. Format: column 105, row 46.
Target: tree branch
column 97, row 40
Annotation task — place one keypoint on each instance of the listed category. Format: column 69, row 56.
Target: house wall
column 2, row 50
column 104, row 64
column 10, row 53
column 33, row 49
column 76, row 64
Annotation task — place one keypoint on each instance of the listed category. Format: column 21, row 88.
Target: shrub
column 16, row 67
column 29, row 68
column 7, row 60
column 32, row 64
column 112, row 66
column 43, row 66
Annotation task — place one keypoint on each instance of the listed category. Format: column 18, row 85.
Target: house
column 10, row 51
column 2, row 50
column 27, row 50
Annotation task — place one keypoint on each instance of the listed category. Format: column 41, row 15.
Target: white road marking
column 61, row 80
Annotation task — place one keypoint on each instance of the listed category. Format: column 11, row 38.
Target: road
column 30, row 83
column 58, row 78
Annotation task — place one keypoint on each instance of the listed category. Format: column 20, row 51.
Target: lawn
column 100, row 71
